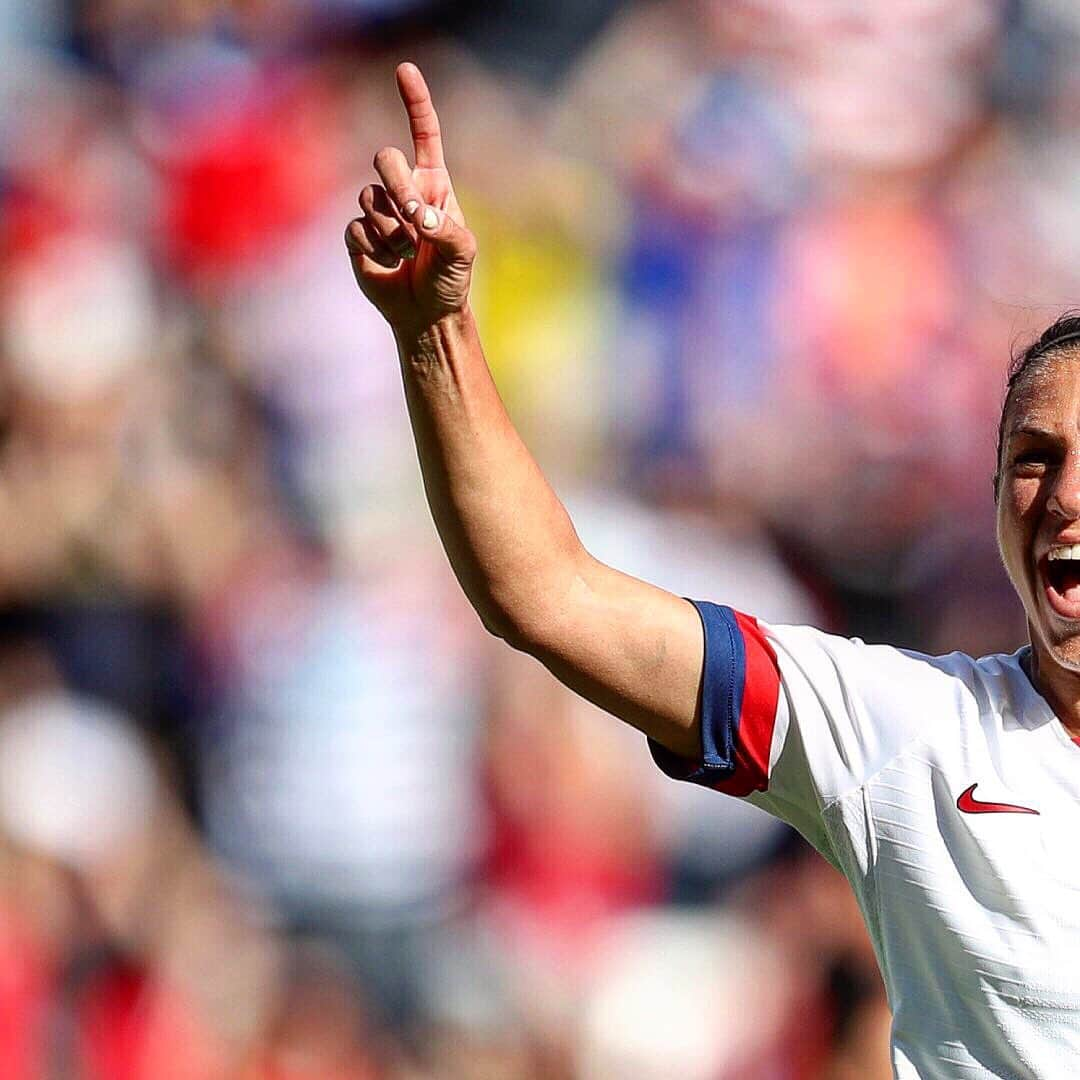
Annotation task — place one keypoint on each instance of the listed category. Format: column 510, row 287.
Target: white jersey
column 948, row 793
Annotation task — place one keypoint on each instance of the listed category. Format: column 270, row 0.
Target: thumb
column 455, row 244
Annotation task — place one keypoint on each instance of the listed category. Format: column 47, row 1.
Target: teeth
column 1064, row 551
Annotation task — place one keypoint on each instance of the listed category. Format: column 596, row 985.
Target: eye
column 1034, row 462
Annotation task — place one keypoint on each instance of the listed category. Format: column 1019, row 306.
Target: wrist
column 418, row 338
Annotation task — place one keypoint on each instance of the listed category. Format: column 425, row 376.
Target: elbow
column 524, row 624
column 496, row 623
column 526, row 611
column 500, row 624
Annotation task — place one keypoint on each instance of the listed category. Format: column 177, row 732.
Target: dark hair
column 1064, row 333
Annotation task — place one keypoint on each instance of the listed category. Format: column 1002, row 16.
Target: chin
column 1063, row 652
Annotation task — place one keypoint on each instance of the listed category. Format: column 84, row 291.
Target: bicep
column 631, row 648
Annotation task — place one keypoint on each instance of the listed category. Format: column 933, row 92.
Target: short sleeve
column 793, row 718
column 739, row 698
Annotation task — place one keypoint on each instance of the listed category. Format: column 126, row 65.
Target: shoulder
column 902, row 687
column 903, row 671
column 997, row 684
column 989, row 705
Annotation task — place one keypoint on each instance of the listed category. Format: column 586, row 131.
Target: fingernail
column 410, row 207
column 431, row 219
column 408, row 252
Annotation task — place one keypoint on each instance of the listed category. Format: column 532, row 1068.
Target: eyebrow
column 1035, row 430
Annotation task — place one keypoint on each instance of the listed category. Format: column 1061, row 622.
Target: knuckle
column 386, row 228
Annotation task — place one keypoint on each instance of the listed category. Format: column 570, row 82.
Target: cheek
column 1017, row 517
column 1023, row 498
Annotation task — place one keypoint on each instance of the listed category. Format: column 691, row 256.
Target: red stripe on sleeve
column 757, row 717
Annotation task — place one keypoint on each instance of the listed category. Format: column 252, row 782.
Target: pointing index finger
column 423, row 122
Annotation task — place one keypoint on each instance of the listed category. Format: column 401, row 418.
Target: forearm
column 632, row 648
column 507, row 535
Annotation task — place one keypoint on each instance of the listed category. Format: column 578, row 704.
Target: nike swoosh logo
column 970, row 805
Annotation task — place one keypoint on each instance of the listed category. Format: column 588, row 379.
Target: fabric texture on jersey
column 865, row 749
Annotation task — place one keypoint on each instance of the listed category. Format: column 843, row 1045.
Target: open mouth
column 1061, row 579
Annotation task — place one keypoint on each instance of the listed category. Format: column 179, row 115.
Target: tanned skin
column 633, row 649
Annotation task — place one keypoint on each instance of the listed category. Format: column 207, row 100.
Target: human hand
column 410, row 249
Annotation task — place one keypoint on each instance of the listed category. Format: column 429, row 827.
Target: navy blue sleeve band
column 721, row 701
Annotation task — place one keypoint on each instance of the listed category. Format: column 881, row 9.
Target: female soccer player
column 946, row 789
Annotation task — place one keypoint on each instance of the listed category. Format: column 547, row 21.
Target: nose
column 1064, row 500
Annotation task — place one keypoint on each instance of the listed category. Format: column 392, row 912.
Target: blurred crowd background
column 272, row 806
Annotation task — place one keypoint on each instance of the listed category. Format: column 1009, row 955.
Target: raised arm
column 631, row 648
